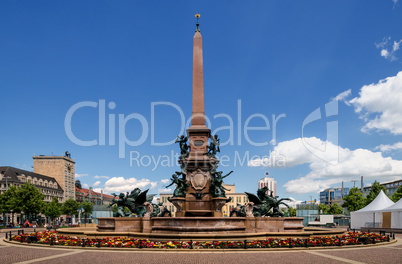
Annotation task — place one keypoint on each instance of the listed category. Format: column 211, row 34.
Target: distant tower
column 269, row 182
column 62, row 168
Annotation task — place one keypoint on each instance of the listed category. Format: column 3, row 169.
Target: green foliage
column 354, row 200
column 397, row 195
column 292, row 211
column 52, row 209
column 29, row 199
column 125, row 209
column 323, row 208
column 88, row 207
column 3, row 201
column 70, row 207
column 8, row 200
column 335, row 209
column 375, row 190
column 330, row 209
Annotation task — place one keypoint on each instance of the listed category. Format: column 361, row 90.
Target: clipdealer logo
column 113, row 128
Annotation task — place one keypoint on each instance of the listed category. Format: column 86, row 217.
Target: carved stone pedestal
column 218, row 203
column 179, row 203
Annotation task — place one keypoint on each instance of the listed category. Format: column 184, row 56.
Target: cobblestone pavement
column 16, row 253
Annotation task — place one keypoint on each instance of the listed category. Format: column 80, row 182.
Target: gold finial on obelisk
column 197, row 16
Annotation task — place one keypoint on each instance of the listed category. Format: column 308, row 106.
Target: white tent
column 396, row 214
column 370, row 216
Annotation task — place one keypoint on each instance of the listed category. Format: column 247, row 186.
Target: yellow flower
column 197, row 15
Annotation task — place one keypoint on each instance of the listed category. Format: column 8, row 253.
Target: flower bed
column 349, row 238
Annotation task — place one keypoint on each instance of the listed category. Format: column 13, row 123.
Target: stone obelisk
column 198, row 133
column 198, row 165
column 198, row 112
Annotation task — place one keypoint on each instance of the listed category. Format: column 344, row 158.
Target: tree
column 70, row 207
column 397, row 195
column 323, row 208
column 52, row 209
column 3, row 206
column 88, row 207
column 375, row 190
column 354, row 200
column 335, row 209
column 292, row 211
column 29, row 200
column 9, row 202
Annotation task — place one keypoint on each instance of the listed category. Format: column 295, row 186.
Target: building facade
column 268, row 182
column 390, row 186
column 333, row 195
column 48, row 186
column 61, row 168
column 89, row 195
column 236, row 198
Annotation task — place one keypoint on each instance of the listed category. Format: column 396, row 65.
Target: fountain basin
column 207, row 225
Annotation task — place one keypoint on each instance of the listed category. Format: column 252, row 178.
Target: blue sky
column 327, row 73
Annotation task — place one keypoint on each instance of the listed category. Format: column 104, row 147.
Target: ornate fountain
column 199, row 193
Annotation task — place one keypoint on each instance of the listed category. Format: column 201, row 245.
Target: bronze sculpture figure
column 181, row 185
column 134, row 201
column 184, row 149
column 217, row 189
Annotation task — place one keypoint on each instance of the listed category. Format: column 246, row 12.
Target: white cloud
column 120, row 184
column 386, row 148
column 388, row 50
column 396, row 45
column 165, row 181
column 165, row 190
column 307, row 185
column 293, row 202
column 342, row 96
column 380, row 105
column 294, row 152
column 101, row 177
column 98, row 190
column 85, row 185
column 385, row 53
column 80, row 175
column 383, row 43
column 97, row 183
column 351, row 164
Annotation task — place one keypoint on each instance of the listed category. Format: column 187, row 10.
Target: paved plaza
column 17, row 253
